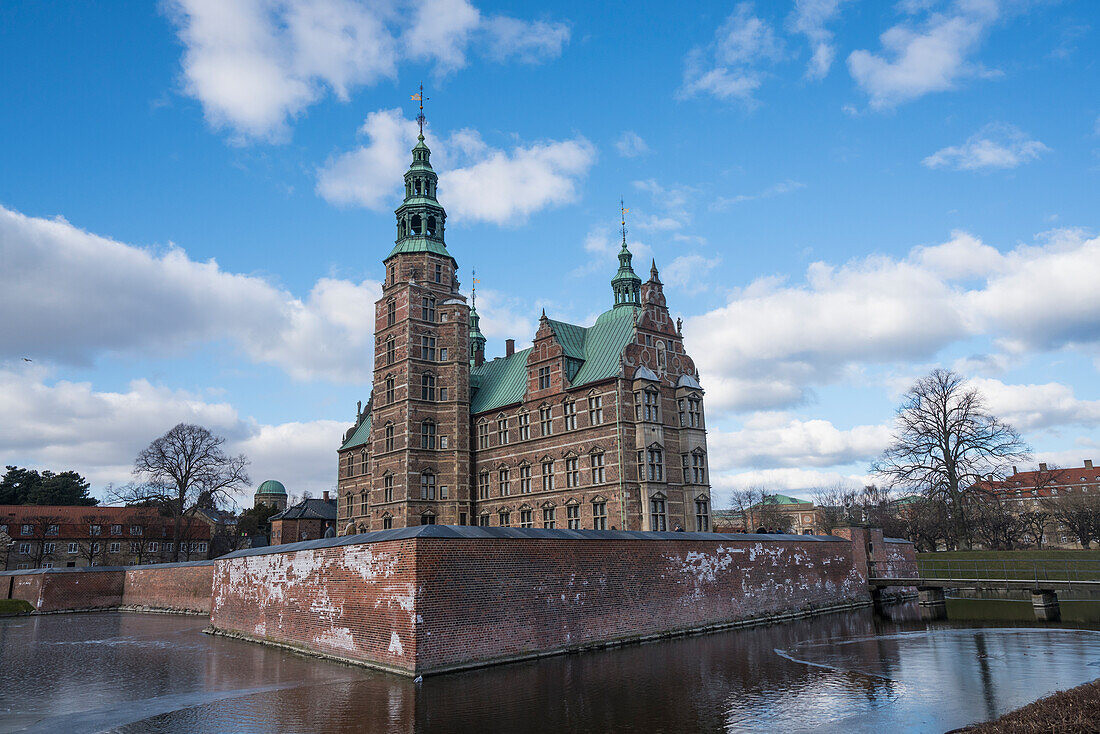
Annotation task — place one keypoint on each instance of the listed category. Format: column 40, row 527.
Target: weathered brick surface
column 180, row 588
column 426, row 604
column 355, row 602
column 169, row 587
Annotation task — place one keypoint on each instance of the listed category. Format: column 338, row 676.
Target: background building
column 309, row 519
column 590, row 427
column 271, row 493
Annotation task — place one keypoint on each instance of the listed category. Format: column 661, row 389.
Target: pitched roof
column 503, row 381
column 309, row 509
column 360, row 435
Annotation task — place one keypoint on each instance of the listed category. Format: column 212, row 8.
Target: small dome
column 270, row 486
column 689, row 381
column 644, row 373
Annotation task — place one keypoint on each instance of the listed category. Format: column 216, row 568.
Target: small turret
column 626, row 284
column 477, row 339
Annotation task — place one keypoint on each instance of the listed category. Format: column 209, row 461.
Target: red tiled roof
column 1044, row 481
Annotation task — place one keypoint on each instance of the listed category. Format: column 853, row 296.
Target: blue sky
column 841, row 194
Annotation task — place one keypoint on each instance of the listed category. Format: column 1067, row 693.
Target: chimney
column 1088, row 463
column 1015, row 471
column 510, row 349
column 324, row 495
column 1042, row 466
column 479, row 357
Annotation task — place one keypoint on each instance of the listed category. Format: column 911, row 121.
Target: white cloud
column 505, row 317
column 61, row 425
column 810, row 18
column 994, row 146
column 1034, row 407
column 256, row 64
column 603, row 243
column 726, row 68
column 477, row 183
column 931, row 58
column 783, row 187
column 631, row 145
column 773, row 341
column 689, row 271
column 72, row 295
column 778, row 440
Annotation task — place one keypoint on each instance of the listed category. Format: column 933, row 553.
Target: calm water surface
column 851, row 672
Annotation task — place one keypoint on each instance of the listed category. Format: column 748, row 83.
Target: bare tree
column 181, row 466
column 832, row 505
column 945, row 443
column 92, row 548
column 1080, row 515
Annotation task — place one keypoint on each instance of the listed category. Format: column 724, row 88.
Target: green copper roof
column 419, row 201
column 419, row 244
column 499, row 382
column 270, row 486
column 503, row 381
column 782, row 499
column 360, row 436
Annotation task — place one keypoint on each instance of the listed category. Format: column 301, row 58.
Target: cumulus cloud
column 1038, row 406
column 62, row 425
column 254, row 65
column 728, row 67
column 777, row 440
column 774, row 341
column 477, row 183
column 811, row 18
column 70, row 295
column 994, row 146
column 689, row 271
column 930, row 57
column 631, row 145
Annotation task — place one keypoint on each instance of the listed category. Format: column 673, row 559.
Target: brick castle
column 597, row 427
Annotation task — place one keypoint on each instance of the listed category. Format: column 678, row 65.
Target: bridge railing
column 992, row 569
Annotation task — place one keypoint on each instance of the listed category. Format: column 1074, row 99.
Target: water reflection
column 843, row 672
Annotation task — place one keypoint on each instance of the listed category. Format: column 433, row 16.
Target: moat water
column 850, row 672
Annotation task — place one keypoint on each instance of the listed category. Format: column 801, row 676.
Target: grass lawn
column 1054, row 565
column 14, row 606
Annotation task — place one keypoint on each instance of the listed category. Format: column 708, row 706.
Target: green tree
column 21, row 486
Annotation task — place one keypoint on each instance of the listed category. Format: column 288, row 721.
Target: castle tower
column 626, row 284
column 420, row 446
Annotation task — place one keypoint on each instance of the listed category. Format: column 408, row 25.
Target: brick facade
column 391, row 600
column 600, row 427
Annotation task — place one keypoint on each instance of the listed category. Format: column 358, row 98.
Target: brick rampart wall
column 420, row 600
column 183, row 587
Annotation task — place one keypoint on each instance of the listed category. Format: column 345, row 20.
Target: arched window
column 416, row 187
column 431, row 226
column 427, row 386
column 427, row 434
column 415, row 225
column 427, row 485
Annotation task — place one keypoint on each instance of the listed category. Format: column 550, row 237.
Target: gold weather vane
column 419, row 97
column 624, row 210
column 473, row 288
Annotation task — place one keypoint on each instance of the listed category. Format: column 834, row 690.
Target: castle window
column 502, row 430
column 443, row 351
column 544, row 378
column 654, row 465
column 595, row 410
column 573, row 517
column 548, row 476
column 699, row 468
column 483, row 435
column 427, row 348
column 483, row 486
column 651, row 403
column 685, row 465
column 599, row 516
column 391, row 351
column 416, row 223
column 387, row 487
column 505, row 482
column 438, row 266
column 363, row 504
column 427, row 486
column 597, row 469
column 505, row 518
column 548, row 518
column 393, row 268
column 389, row 437
column 427, row 434
column 364, row 463
column 524, row 420
column 660, row 355
column 391, row 312
column 525, row 519
column 680, row 409
column 431, row 233
column 427, row 519
column 545, row 413
column 443, row 394
column 695, row 412
column 658, row 519
column 570, row 411
column 416, row 187
column 390, row 390
column 427, row 387
column 427, row 308
column 387, row 522
column 702, row 515
column 483, row 520
column 525, row 479
column 572, row 473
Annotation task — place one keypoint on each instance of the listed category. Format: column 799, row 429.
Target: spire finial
column 624, row 210
column 419, row 97
column 473, row 288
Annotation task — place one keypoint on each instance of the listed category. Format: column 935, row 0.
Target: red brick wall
column 425, row 604
column 355, row 602
column 182, row 588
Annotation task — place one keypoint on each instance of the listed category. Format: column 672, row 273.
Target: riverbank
column 1076, row 711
